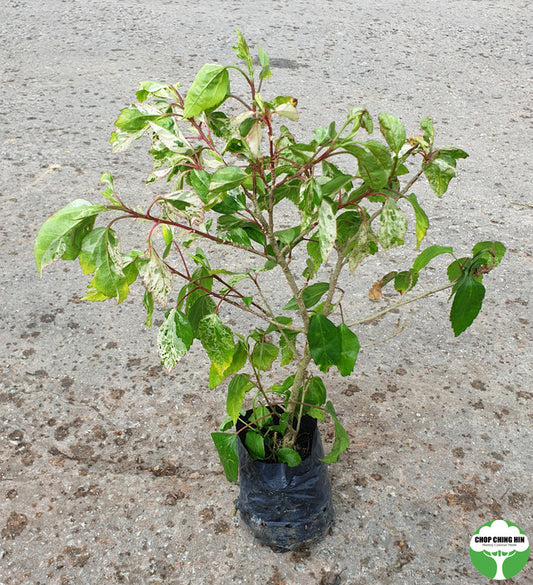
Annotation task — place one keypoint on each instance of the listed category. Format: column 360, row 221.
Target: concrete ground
column 107, row 472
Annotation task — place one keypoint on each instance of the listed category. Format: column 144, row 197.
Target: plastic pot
column 285, row 507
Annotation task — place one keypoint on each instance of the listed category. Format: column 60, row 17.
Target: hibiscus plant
column 239, row 189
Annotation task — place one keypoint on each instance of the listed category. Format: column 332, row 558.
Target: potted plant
column 297, row 213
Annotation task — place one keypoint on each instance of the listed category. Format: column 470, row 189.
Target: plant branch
column 236, row 97
column 189, row 229
column 400, row 304
column 397, row 331
column 413, row 181
column 281, row 329
column 223, row 297
column 297, row 385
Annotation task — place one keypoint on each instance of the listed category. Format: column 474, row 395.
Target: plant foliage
column 227, row 177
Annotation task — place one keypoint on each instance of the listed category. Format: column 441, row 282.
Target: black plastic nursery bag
column 284, row 506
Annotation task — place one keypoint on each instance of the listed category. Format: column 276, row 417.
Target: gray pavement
column 107, row 472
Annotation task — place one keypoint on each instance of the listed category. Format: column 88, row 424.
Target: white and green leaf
column 157, row 277
column 393, row 225
column 217, row 340
column 174, row 338
column 327, row 229
column 100, row 255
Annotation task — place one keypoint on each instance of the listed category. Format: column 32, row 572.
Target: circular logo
column 499, row 549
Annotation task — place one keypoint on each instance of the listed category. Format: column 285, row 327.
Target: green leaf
column 237, row 388
column 255, row 444
column 148, row 304
column 425, row 257
column 427, row 126
column 289, row 456
column 157, row 277
column 61, row 235
column 288, row 235
column 313, row 293
column 325, row 342
column 239, row 236
column 134, row 120
column 405, row 280
column 199, row 180
column 335, row 184
column 200, row 285
column 227, row 423
column 286, row 344
column 226, row 223
column 393, row 131
column 422, row 221
column 239, row 359
column 174, row 338
column 261, row 416
column 315, row 393
column 226, row 445
column 317, row 413
column 209, row 89
column 283, row 389
column 455, row 269
column 354, row 116
column 366, row 122
column 349, row 350
column 217, row 340
column 109, row 191
column 100, row 254
column 393, row 225
column 225, row 179
column 310, row 296
column 374, row 162
column 265, row 72
column 342, row 440
column 348, row 224
column 204, row 305
column 234, row 201
column 315, row 259
column 439, row 173
column 467, row 302
column 286, row 106
column 243, row 52
column 452, row 154
column 495, row 249
column 263, row 355
column 327, row 229
column 246, row 126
